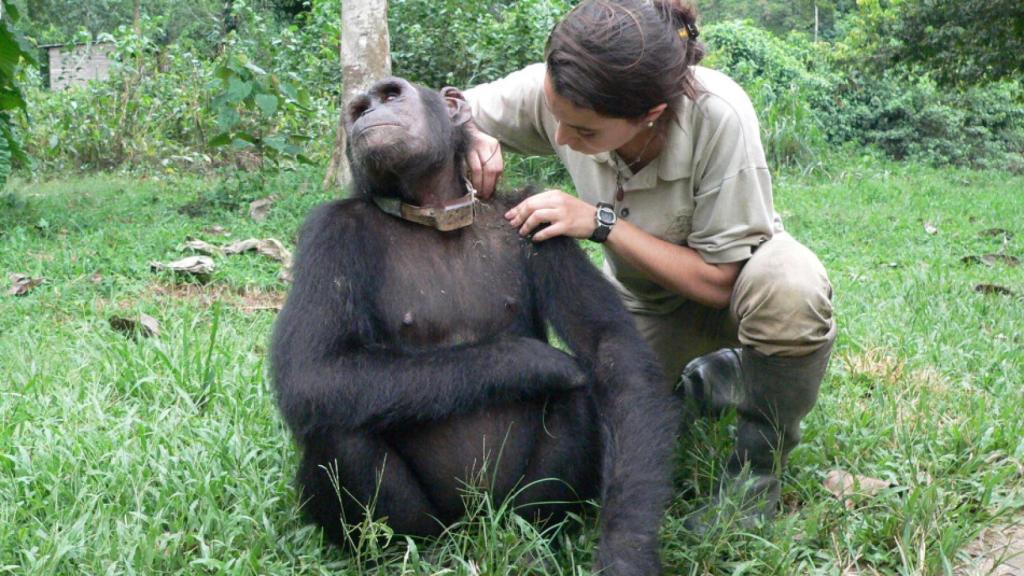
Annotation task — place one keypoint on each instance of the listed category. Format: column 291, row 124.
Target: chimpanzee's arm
column 637, row 411
column 331, row 369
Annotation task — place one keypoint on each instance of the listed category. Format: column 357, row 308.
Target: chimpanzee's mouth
column 381, row 125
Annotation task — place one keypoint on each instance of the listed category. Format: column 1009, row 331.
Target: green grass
column 166, row 455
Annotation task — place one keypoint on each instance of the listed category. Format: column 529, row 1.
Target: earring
column 650, row 124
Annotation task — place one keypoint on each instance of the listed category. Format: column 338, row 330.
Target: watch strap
column 604, row 227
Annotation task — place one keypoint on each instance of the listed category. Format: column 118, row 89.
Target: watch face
column 605, row 215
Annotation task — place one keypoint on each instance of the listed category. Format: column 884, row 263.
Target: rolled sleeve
column 512, row 110
column 734, row 218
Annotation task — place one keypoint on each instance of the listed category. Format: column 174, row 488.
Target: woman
column 672, row 179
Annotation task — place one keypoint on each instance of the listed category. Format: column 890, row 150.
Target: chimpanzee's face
column 391, row 127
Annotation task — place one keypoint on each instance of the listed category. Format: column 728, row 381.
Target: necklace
column 620, row 194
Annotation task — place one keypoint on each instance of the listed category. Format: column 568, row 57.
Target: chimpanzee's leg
column 565, row 466
column 344, row 474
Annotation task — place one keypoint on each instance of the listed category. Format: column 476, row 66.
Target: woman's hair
column 620, row 58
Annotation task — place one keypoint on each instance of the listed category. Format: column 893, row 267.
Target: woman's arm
column 677, row 268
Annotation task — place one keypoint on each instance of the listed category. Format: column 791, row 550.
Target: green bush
column 454, row 43
column 807, row 98
column 982, row 126
column 160, row 106
column 789, row 98
column 160, row 109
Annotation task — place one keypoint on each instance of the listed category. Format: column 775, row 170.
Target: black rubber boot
column 771, row 394
column 710, row 384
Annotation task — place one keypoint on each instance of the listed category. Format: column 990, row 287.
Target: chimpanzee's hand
column 546, row 368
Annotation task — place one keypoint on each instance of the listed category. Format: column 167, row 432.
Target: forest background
column 931, row 80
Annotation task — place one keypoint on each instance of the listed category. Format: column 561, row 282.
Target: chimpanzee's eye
column 390, row 92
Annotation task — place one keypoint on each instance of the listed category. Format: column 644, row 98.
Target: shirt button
column 624, row 212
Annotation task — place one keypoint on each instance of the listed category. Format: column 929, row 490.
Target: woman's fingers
column 493, row 168
column 538, row 217
column 485, row 163
column 476, row 173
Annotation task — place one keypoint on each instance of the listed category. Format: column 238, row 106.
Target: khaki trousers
column 781, row 305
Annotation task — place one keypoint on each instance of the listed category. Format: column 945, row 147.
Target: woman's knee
column 783, row 300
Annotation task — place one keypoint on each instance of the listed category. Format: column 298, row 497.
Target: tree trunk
column 365, row 58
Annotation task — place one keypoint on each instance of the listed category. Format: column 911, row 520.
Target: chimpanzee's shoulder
column 508, row 198
column 339, row 213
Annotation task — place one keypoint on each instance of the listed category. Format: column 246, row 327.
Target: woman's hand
column 485, row 162
column 565, row 215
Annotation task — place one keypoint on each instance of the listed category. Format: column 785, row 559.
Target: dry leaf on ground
column 241, row 246
column 22, row 284
column 145, row 325
column 270, row 247
column 993, row 289
column 844, row 485
column 1006, row 234
column 202, row 246
column 258, row 209
column 992, row 260
column 195, row 265
column 216, row 230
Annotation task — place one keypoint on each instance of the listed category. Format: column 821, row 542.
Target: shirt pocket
column 679, row 226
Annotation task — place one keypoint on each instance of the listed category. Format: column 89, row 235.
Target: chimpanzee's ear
column 458, row 109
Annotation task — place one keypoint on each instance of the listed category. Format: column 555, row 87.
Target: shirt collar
column 676, row 158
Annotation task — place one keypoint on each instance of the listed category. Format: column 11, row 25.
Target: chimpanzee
column 412, row 358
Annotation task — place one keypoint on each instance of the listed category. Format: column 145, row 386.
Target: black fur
column 406, row 359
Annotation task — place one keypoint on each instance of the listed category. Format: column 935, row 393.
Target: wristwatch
column 605, row 218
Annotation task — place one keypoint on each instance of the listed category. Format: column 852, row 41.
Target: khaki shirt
column 709, row 189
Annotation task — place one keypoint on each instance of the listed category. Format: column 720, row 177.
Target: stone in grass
column 145, row 326
column 200, row 266
column 22, row 284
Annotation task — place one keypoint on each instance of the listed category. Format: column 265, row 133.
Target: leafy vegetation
column 14, row 50
column 164, row 106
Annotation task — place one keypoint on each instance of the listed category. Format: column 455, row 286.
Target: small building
column 76, row 64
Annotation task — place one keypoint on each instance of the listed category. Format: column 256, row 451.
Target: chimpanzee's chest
column 450, row 288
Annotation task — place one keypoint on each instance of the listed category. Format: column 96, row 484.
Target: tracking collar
column 458, row 214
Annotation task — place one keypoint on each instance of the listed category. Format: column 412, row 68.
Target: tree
column 365, row 58
column 963, row 41
column 14, row 50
